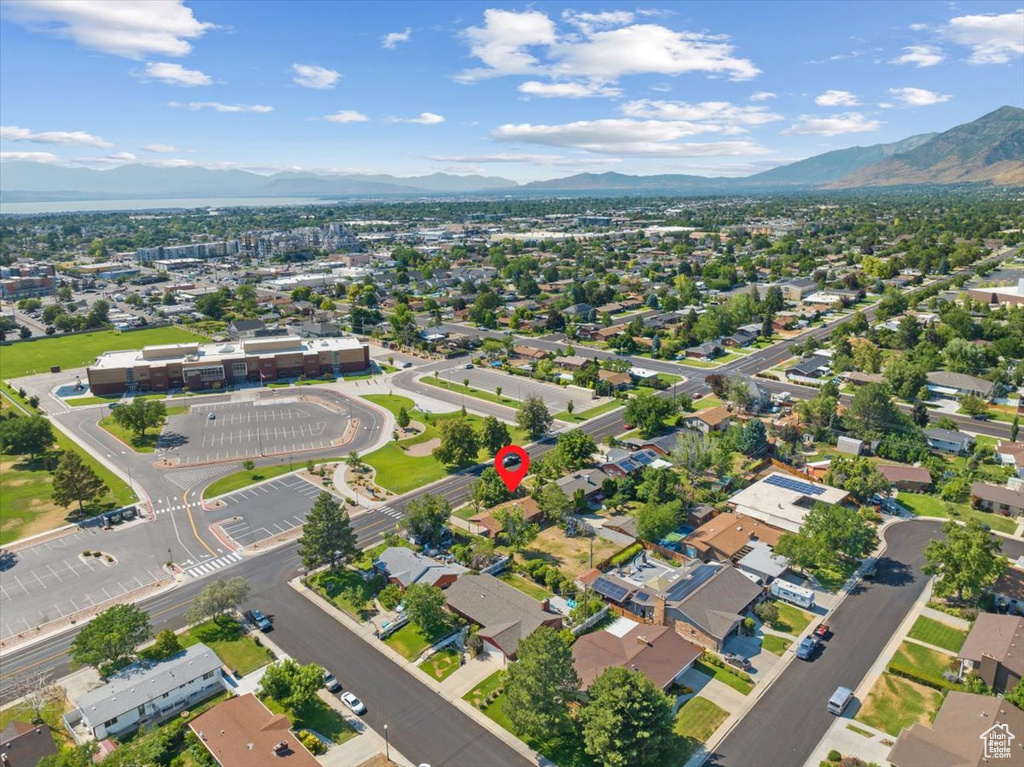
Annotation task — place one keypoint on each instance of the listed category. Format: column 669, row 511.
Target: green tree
column 973, row 405
column 574, row 449
column 656, row 520
column 327, row 535
column 291, row 684
column 1014, row 429
column 71, row 756
column 553, row 502
column 657, row 485
column 426, row 517
column 217, row 600
column 920, row 415
column 966, row 562
column 489, row 490
column 838, row 530
column 858, row 476
column 494, row 435
column 166, row 644
column 111, row 638
column 390, row 596
column 403, row 323
column 540, row 687
column 517, row 530
column 75, row 481
column 1016, row 695
column 768, row 612
column 628, row 721
column 692, row 453
column 424, row 604
column 26, row 436
column 802, row 551
column 534, row 417
column 402, row 419
column 868, row 357
column 140, row 415
column 964, row 357
column 872, row 413
column 753, row 440
column 647, row 412
column 248, row 464
column 458, row 443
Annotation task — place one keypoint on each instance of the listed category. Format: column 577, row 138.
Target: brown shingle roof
column 244, row 731
column 997, row 494
column 897, row 473
column 712, row 416
column 657, row 651
column 729, row 532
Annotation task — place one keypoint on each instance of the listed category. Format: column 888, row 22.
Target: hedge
column 627, row 554
column 913, row 675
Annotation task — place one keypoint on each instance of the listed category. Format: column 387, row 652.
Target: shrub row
column 913, row 675
column 626, row 555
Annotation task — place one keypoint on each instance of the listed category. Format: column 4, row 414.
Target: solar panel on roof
column 795, row 485
column 606, row 588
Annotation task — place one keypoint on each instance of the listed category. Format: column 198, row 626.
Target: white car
column 353, row 703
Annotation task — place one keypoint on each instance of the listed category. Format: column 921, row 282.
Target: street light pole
column 387, row 744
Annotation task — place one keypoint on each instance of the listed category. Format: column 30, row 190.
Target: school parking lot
column 267, row 509
column 516, row 387
column 238, row 430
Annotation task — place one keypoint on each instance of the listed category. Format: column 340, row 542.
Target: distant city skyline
column 524, row 91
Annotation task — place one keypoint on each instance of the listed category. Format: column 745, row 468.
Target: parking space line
column 18, row 581
column 88, row 564
column 39, row 579
column 50, row 568
column 104, row 590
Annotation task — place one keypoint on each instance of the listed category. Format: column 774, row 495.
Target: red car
column 822, row 631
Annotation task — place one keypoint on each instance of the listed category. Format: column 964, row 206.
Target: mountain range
column 989, row 150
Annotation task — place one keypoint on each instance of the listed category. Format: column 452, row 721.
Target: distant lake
column 78, row 206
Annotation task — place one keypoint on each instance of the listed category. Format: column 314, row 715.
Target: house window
column 208, row 675
column 110, row 722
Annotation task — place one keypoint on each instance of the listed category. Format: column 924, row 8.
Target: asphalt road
column 786, row 724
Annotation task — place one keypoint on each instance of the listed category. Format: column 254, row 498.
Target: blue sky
column 524, row 91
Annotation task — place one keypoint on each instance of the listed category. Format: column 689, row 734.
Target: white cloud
column 425, row 118
column 15, row 133
column 392, row 39
column 219, row 107
column 918, row 27
column 160, row 148
column 529, row 43
column 575, row 90
column 850, row 122
column 534, row 159
column 130, row 29
column 174, row 74
column 920, row 56
column 727, row 116
column 918, row 97
column 762, row 96
column 346, row 116
column 837, row 99
column 993, row 38
column 47, row 158
column 312, row 76
column 655, row 138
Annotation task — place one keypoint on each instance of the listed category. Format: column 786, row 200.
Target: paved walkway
column 359, row 749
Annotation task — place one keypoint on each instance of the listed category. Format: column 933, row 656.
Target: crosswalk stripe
column 205, row 568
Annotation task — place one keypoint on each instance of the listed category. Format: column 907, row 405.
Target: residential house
column 146, row 693
column 25, row 745
column 998, row 498
column 849, row 445
column 1011, row 454
column 574, row 362
column 643, row 375
column 710, row 612
column 655, row 651
column 604, row 334
column 1009, row 589
column 760, row 398
column 994, row 650
column 618, row 381
column 763, row 563
column 914, row 478
column 487, row 524
column 744, row 336
column 706, row 351
column 243, row 731
column 708, row 420
column 621, row 523
column 621, row 463
column 318, row 329
column 857, row 378
column 239, row 329
column 588, row 480
column 405, row 567
column 958, row 385
column 728, row 537
column 663, row 444
column 811, row 370
column 962, row 733
column 529, row 354
column 781, row 500
column 948, row 441
column 504, row 614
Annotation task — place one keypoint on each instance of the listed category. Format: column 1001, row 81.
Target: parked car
column 737, row 660
column 331, row 682
column 211, row 416
column 823, row 631
column 870, row 574
column 353, row 703
column 510, row 460
column 468, row 366
column 406, row 364
column 807, row 647
column 262, row 621
column 840, row 700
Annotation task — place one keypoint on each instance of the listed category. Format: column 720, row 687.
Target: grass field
column 696, row 721
column 28, row 358
column 525, row 585
column 441, row 665
column 25, row 504
column 317, row 716
column 237, row 649
column 579, row 416
column 931, row 506
column 570, row 555
column 725, row 677
column 928, row 663
column 243, row 478
column 51, row 714
column 145, row 443
column 469, row 391
column 939, row 634
column 409, row 641
column 335, row 586
column 895, row 703
column 792, row 620
column 775, row 645
column 400, row 472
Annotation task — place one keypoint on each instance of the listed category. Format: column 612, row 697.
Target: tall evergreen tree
column 327, row 535
column 74, row 480
column 540, row 686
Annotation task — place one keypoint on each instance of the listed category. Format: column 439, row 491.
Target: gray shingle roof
column 715, row 606
column 505, row 613
column 409, row 567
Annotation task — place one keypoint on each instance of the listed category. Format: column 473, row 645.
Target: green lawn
column 400, row 472
column 526, row 585
column 932, row 506
column 860, row 731
column 774, row 644
column 317, row 716
column 469, row 391
column 696, row 721
column 145, row 443
column 896, row 703
column 237, row 649
column 725, row 677
column 51, row 714
column 792, row 620
column 579, row 416
column 927, row 662
column 409, row 641
column 936, row 633
column 28, row 358
column 441, row 665
column 706, row 402
column 478, row 694
column 717, row 362
column 243, row 478
column 89, row 400
column 336, row 585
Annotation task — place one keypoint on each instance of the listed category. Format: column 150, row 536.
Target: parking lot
column 225, row 431
column 267, row 509
column 516, row 387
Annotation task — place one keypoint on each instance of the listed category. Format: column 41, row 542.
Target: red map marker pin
column 512, row 463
